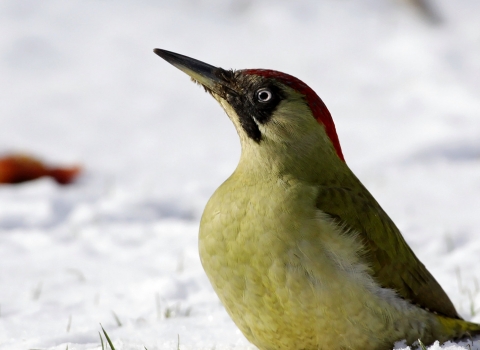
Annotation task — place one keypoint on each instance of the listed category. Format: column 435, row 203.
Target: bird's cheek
column 232, row 115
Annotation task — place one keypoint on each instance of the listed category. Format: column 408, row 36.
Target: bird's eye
column 264, row 95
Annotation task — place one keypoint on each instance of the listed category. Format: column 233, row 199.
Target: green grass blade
column 108, row 338
column 421, row 345
column 101, row 340
column 119, row 324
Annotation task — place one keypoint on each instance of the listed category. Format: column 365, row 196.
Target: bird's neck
column 260, row 163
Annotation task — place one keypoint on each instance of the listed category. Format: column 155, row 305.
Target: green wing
column 394, row 264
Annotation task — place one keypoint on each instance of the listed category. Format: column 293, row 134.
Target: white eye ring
column 264, row 95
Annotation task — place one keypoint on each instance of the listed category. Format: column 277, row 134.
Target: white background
column 79, row 83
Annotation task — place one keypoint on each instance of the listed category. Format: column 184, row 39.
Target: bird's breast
column 247, row 226
column 280, row 266
column 262, row 249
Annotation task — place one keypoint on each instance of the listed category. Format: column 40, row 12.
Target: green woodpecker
column 299, row 252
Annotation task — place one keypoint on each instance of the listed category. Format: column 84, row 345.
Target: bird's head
column 280, row 120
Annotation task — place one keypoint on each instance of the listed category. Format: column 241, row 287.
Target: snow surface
column 80, row 83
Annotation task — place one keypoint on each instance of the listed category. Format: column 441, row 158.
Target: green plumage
column 298, row 251
column 394, row 264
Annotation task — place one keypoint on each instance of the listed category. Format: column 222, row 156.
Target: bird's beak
column 212, row 78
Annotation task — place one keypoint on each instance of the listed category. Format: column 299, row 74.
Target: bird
column 299, row 252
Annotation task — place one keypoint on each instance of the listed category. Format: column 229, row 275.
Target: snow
column 80, row 83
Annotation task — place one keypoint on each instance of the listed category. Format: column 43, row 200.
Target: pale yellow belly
column 299, row 282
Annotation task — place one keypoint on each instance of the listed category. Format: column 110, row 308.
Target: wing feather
column 393, row 263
